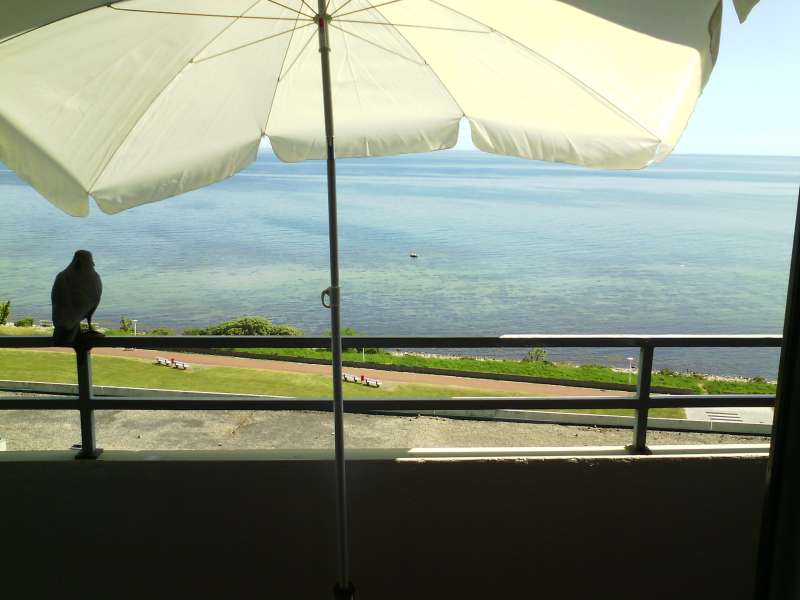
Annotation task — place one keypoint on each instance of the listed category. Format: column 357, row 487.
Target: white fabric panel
column 136, row 104
column 80, row 85
column 386, row 100
column 207, row 124
column 743, row 8
column 654, row 78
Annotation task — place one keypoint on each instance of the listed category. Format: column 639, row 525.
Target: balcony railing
column 641, row 402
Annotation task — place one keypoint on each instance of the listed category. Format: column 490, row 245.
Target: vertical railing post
column 639, row 445
column 88, row 443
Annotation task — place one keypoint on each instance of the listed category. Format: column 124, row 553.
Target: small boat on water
column 413, row 255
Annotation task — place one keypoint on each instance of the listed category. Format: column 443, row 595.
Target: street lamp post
column 134, row 321
column 630, row 360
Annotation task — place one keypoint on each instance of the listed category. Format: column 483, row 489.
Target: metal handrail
column 159, row 342
column 641, row 402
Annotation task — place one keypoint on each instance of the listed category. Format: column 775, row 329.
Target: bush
column 5, row 309
column 281, row 329
column 26, row 322
column 536, row 355
column 125, row 324
column 192, row 331
column 246, row 326
column 757, row 380
column 667, row 372
column 161, row 331
column 350, row 332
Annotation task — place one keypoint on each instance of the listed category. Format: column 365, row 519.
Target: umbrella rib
column 248, row 44
column 370, row 7
column 583, row 85
column 309, row 7
column 341, row 6
column 421, row 62
column 294, row 61
column 161, row 92
column 349, row 63
column 422, row 58
column 413, row 26
column 297, row 10
column 278, row 80
column 216, row 15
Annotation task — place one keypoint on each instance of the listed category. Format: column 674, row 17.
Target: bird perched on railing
column 75, row 296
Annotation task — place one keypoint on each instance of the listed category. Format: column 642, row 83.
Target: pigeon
column 75, row 296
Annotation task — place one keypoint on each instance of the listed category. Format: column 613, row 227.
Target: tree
column 248, row 326
column 5, row 310
column 125, row 325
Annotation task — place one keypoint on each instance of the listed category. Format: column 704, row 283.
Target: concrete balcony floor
column 425, row 524
column 243, row 430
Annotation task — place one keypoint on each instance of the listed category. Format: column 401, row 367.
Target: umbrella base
column 340, row 593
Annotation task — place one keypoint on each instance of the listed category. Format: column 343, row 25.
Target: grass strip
column 695, row 383
column 59, row 367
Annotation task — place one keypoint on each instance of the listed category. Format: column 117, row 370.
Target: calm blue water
column 698, row 244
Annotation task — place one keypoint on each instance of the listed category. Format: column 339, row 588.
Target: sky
column 751, row 104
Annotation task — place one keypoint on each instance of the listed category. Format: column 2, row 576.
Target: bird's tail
column 65, row 336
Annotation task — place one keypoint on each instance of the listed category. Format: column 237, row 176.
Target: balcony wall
column 261, row 525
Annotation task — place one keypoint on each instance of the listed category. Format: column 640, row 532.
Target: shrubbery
column 5, row 309
column 350, row 332
column 161, row 331
column 536, row 355
column 26, row 322
column 246, row 326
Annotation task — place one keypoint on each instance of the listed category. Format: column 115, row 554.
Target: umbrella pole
column 343, row 589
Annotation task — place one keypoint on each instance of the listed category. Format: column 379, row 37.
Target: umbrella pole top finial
column 323, row 19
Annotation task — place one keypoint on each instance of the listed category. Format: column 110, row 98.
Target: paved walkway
column 534, row 389
column 721, row 414
column 730, row 414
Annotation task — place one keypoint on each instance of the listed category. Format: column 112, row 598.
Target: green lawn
column 596, row 373
column 11, row 330
column 57, row 367
column 565, row 372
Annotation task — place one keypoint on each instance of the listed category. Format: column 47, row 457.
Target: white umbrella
column 135, row 101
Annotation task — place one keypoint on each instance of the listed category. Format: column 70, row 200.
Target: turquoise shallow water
column 698, row 244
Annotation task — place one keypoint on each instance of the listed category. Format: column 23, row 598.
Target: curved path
column 212, row 360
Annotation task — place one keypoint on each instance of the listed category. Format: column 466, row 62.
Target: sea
column 698, row 244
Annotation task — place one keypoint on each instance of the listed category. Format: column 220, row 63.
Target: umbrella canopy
column 135, row 101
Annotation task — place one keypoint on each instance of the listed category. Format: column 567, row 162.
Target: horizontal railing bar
column 361, row 404
column 719, row 400
column 470, row 403
column 26, row 341
column 37, row 403
column 457, row 403
column 657, row 341
column 505, row 341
